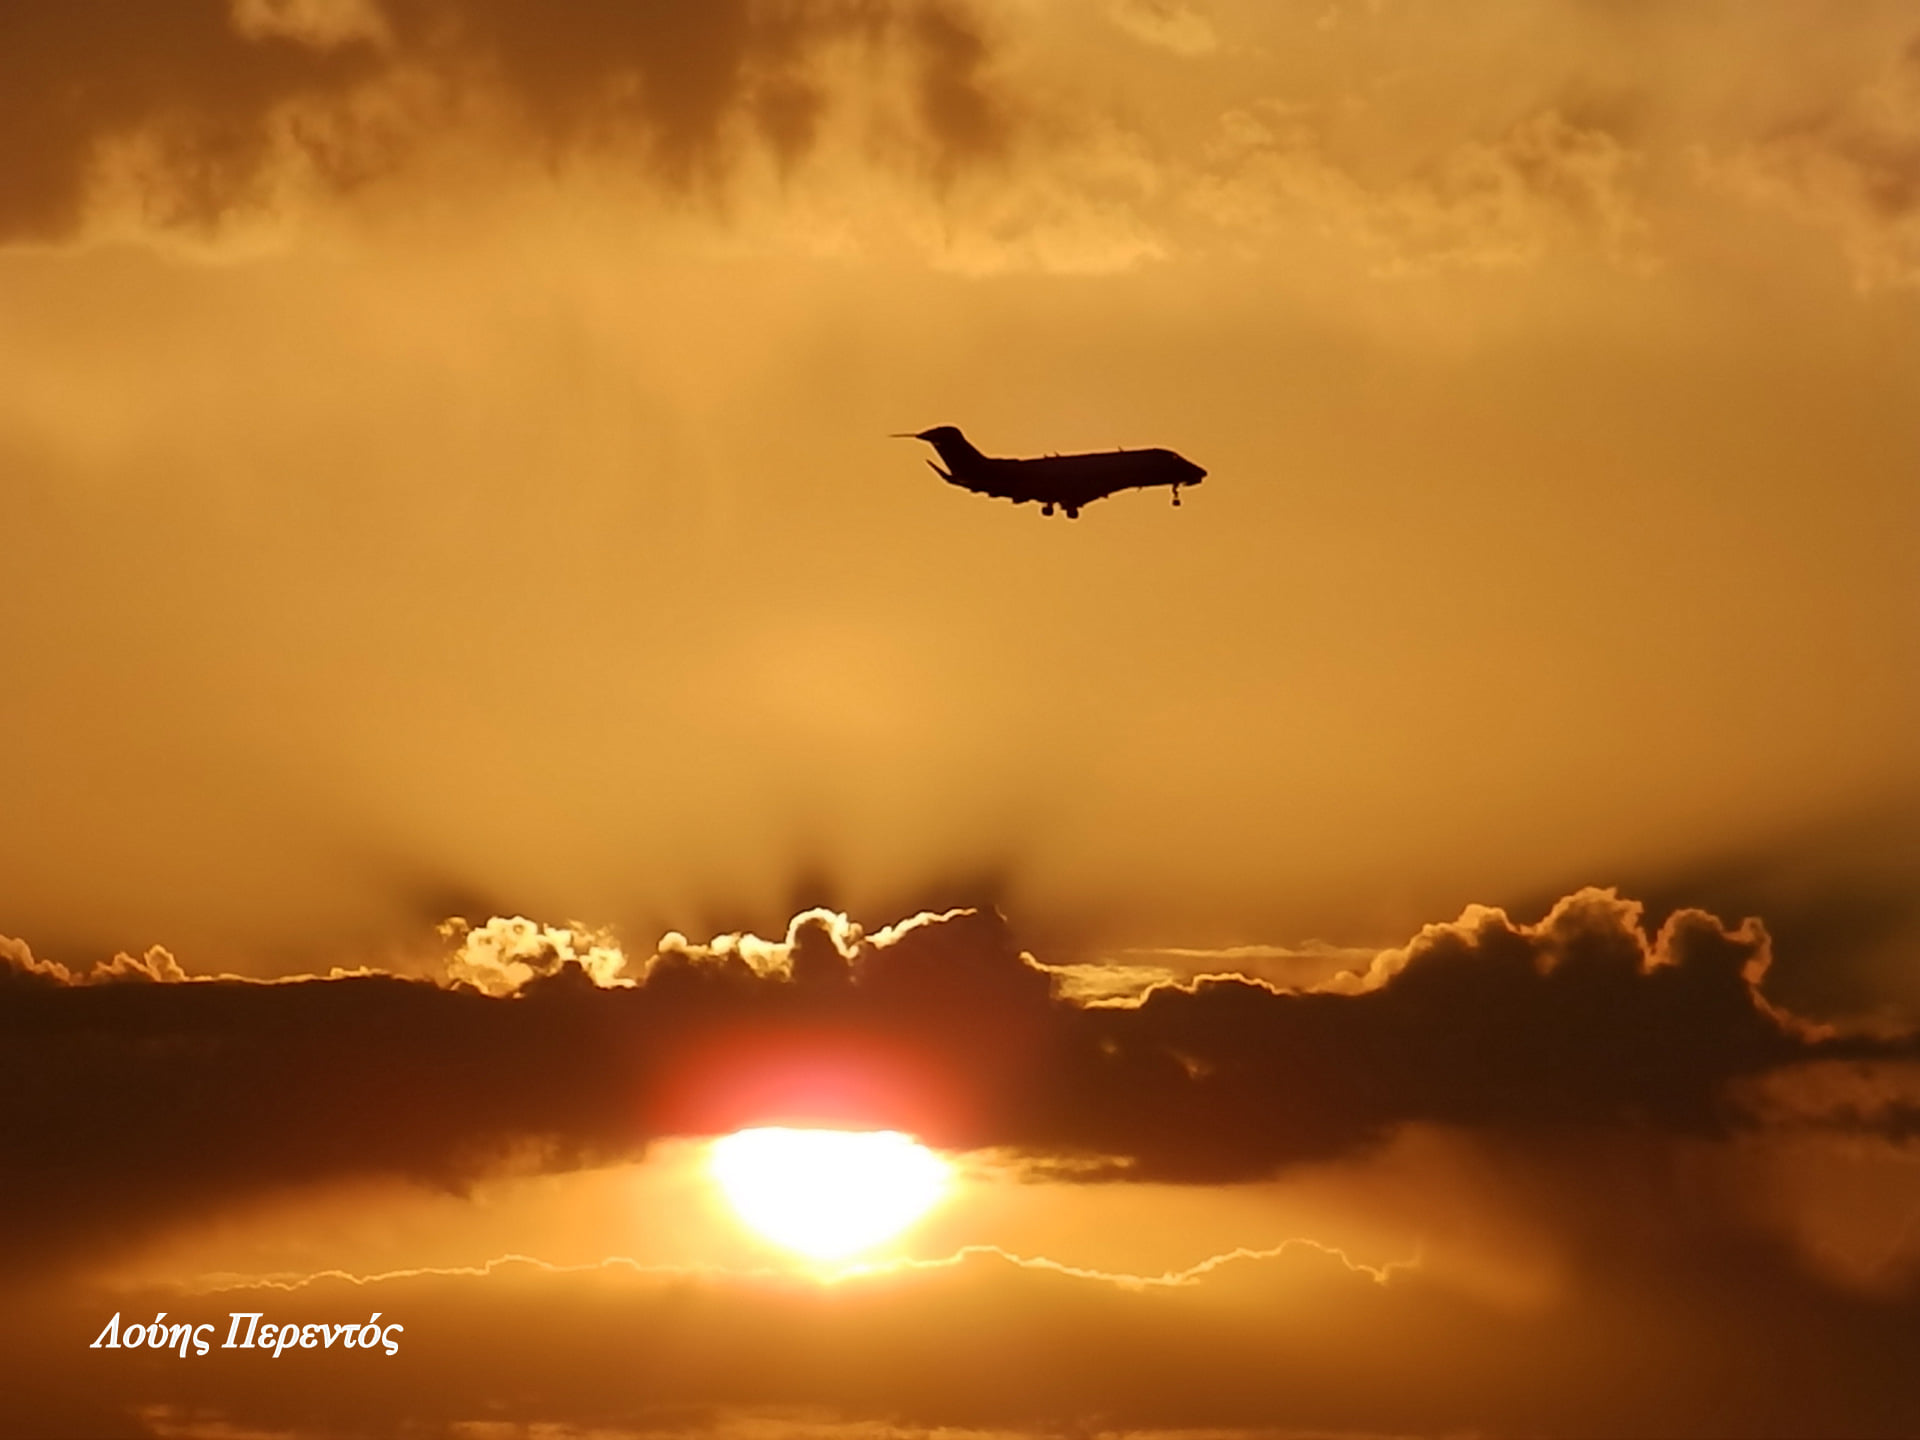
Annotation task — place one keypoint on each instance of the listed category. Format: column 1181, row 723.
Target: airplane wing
column 1076, row 480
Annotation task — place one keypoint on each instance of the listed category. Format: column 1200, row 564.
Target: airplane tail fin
column 963, row 462
column 960, row 456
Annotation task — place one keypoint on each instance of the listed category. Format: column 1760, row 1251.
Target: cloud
column 1852, row 167
column 504, row 954
column 1498, row 203
column 1717, row 1336
column 188, row 1094
column 190, row 112
column 1133, row 971
column 1861, row 1097
column 1842, row 903
column 1171, row 26
column 157, row 964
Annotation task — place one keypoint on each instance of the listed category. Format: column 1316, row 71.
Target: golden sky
column 454, row 548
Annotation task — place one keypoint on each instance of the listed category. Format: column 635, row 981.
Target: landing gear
column 1073, row 512
column 1176, row 495
column 1047, row 509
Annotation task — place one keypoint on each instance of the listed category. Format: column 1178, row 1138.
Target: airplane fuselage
column 1066, row 481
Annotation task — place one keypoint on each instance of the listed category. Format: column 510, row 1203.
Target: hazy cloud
column 1681, row 1333
column 1851, row 167
column 1172, row 26
column 1483, row 204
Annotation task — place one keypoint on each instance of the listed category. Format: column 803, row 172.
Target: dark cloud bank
column 206, row 103
column 1580, row 1058
column 188, row 1093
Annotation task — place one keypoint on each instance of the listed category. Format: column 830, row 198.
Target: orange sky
column 444, row 472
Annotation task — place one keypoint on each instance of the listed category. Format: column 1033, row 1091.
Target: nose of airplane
column 1194, row 473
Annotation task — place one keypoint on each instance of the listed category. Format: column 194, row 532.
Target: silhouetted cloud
column 189, row 110
column 133, row 1081
column 1841, row 900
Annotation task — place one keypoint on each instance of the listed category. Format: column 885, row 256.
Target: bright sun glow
column 828, row 1194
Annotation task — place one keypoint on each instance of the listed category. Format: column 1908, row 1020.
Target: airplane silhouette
column 1069, row 481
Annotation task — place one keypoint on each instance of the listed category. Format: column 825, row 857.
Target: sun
column 828, row 1194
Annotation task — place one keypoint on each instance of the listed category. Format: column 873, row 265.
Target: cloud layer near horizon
column 188, row 1093
column 1718, row 1333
